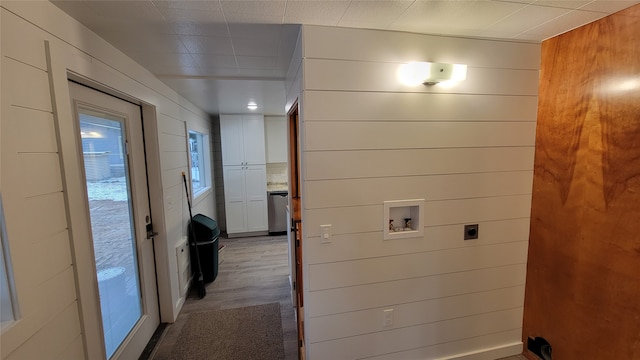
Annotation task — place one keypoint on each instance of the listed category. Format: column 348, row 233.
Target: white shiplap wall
column 32, row 179
column 467, row 150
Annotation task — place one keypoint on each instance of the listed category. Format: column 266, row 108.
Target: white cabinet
column 245, row 192
column 244, row 173
column 275, row 134
column 242, row 139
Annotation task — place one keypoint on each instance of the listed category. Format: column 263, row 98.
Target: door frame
column 91, row 100
column 295, row 231
column 61, row 69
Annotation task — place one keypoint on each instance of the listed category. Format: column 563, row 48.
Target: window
column 200, row 164
column 7, row 302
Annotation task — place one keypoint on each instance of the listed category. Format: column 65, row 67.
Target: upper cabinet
column 242, row 139
column 275, row 128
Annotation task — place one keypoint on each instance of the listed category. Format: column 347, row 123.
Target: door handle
column 150, row 233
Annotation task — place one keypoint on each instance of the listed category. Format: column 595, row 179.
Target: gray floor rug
column 247, row 333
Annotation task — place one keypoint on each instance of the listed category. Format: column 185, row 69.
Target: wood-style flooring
column 255, row 271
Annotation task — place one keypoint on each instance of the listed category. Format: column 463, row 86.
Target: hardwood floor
column 255, row 271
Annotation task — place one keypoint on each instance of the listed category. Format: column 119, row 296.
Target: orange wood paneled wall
column 583, row 278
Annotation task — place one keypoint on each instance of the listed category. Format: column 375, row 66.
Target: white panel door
column 232, row 139
column 235, row 199
column 254, row 147
column 257, row 215
column 256, row 182
column 275, row 135
column 122, row 315
column 256, row 192
column 234, row 187
column 236, row 217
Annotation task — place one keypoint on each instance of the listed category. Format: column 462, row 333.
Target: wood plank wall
column 34, row 201
column 583, row 282
column 467, row 150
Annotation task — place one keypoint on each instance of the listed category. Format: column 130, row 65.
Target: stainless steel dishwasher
column 277, row 204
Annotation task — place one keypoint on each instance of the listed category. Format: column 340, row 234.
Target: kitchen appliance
column 277, row 202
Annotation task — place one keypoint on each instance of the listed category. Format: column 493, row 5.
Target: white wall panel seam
column 403, row 176
column 29, row 108
column 422, row 252
column 419, row 277
column 424, row 148
column 36, row 152
column 426, row 227
column 52, row 275
column 333, row 301
column 168, row 115
column 387, row 305
column 477, row 197
column 447, row 357
column 405, row 252
column 401, row 121
column 25, row 63
column 427, row 200
column 422, row 324
column 400, row 62
column 435, row 322
column 419, row 175
column 427, row 175
column 424, row 92
column 418, row 92
column 441, row 199
column 354, row 347
column 35, row 196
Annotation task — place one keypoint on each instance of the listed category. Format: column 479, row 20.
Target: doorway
column 295, row 224
column 120, row 311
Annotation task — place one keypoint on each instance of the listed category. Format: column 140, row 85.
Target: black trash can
column 206, row 231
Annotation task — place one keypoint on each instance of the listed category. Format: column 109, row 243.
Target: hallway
column 254, row 271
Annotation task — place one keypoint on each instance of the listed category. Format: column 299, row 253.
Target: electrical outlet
column 387, row 317
column 471, row 231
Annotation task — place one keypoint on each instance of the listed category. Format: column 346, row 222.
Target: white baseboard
column 178, row 307
column 493, row 353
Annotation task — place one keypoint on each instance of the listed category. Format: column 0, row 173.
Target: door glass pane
column 112, row 225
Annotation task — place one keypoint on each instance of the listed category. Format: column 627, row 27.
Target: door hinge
column 294, row 285
column 299, row 343
column 297, row 243
column 150, row 233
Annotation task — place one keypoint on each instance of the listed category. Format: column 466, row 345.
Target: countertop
column 277, row 187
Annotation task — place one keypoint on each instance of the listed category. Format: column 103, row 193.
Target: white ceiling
column 221, row 54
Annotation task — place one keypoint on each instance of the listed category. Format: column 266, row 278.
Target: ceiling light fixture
column 252, row 106
column 416, row 73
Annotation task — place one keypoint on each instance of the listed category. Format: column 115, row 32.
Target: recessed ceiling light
column 252, row 105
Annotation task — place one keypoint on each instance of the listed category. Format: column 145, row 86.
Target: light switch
column 325, row 233
column 388, row 317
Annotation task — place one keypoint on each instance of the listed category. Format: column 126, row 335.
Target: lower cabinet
column 245, row 193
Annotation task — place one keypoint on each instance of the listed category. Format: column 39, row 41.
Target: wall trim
column 490, row 353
